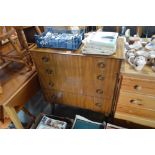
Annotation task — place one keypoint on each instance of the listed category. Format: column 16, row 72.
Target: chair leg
column 25, row 57
column 38, row 30
column 13, row 116
column 15, row 46
column 24, row 44
column 28, row 113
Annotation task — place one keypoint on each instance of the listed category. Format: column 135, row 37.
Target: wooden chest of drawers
column 137, row 96
column 85, row 81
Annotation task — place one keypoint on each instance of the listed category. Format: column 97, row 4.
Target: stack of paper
column 103, row 43
column 50, row 123
column 81, row 122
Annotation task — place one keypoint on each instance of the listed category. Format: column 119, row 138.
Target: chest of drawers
column 137, row 96
column 85, row 81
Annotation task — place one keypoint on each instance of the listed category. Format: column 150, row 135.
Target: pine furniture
column 18, row 88
column 136, row 101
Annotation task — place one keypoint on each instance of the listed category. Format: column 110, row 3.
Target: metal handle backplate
column 101, row 65
column 100, row 77
column 45, row 59
column 49, row 71
column 137, row 87
column 99, row 91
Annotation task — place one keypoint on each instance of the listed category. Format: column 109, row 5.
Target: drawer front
column 97, row 105
column 47, row 83
column 138, row 85
column 85, row 102
column 143, row 113
column 47, row 78
column 41, row 58
column 67, row 98
column 137, row 101
column 47, row 72
column 100, row 65
column 77, row 100
column 106, row 66
column 102, row 105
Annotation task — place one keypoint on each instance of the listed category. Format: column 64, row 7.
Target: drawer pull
column 99, row 91
column 49, row 71
column 134, row 101
column 100, row 77
column 53, row 98
column 98, row 104
column 45, row 59
column 51, row 84
column 101, row 64
column 137, row 87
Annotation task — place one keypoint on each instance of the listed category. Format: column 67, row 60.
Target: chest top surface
column 119, row 54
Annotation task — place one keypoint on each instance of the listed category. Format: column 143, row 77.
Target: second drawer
column 77, row 100
column 137, row 100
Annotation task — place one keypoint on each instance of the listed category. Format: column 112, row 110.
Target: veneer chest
column 85, row 81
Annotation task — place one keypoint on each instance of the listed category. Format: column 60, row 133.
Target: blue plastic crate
column 65, row 39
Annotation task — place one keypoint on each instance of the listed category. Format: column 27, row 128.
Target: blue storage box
column 65, row 39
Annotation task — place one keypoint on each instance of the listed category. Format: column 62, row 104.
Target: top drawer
column 106, row 66
column 138, row 85
column 41, row 59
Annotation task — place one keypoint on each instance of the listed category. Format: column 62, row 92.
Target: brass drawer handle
column 101, row 65
column 137, row 87
column 135, row 101
column 57, row 95
column 49, row 71
column 51, row 84
column 45, row 59
column 53, row 97
column 98, row 104
column 99, row 91
column 100, row 77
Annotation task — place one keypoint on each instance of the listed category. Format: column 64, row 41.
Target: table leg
column 13, row 116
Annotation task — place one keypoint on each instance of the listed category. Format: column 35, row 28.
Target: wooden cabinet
column 85, row 81
column 137, row 96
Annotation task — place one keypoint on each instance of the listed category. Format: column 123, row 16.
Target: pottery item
column 153, row 68
column 150, row 46
column 132, row 40
column 151, row 57
column 129, row 53
column 153, row 40
column 138, row 62
column 143, row 53
column 137, row 45
column 145, row 41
